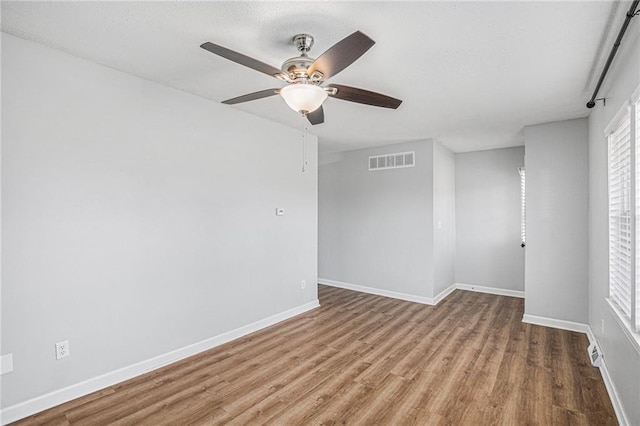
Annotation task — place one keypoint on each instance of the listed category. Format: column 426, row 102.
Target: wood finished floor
column 363, row 360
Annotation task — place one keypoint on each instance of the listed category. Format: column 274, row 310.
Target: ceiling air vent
column 392, row 161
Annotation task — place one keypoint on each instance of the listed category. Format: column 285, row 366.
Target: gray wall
column 488, row 251
column 556, row 258
column 444, row 218
column 376, row 227
column 621, row 358
column 138, row 217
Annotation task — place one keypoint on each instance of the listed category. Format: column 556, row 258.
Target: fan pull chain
column 304, row 149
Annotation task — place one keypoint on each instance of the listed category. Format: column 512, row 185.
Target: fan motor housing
column 297, row 67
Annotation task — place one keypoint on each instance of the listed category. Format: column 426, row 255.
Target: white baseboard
column 621, row 415
column 623, row 420
column 378, row 291
column 592, row 337
column 490, row 290
column 444, row 293
column 421, row 299
column 556, row 323
column 41, row 403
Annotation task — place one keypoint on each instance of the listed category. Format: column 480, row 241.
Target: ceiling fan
column 305, row 76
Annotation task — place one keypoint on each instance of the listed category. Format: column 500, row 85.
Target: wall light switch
column 279, row 212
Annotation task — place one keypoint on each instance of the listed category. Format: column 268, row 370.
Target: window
column 621, row 262
column 636, row 131
column 523, row 209
column 623, row 136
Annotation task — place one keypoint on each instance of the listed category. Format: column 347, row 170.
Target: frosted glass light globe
column 303, row 97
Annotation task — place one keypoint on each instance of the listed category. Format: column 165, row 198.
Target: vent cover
column 594, row 355
column 392, row 161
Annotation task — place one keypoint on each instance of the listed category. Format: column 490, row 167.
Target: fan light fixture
column 306, row 76
column 303, row 97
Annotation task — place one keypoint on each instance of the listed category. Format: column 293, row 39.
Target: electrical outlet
column 62, row 349
column 303, row 284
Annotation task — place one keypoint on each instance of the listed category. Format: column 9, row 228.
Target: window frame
column 630, row 324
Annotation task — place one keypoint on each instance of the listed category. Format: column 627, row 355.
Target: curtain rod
column 630, row 14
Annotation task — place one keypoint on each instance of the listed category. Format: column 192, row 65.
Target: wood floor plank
column 363, row 359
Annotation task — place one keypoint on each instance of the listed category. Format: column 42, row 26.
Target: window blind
column 636, row 130
column 620, row 220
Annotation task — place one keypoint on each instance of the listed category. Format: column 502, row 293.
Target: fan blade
column 353, row 94
column 252, row 96
column 241, row 59
column 341, row 55
column 316, row 117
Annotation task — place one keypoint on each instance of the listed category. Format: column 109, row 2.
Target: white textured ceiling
column 471, row 74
